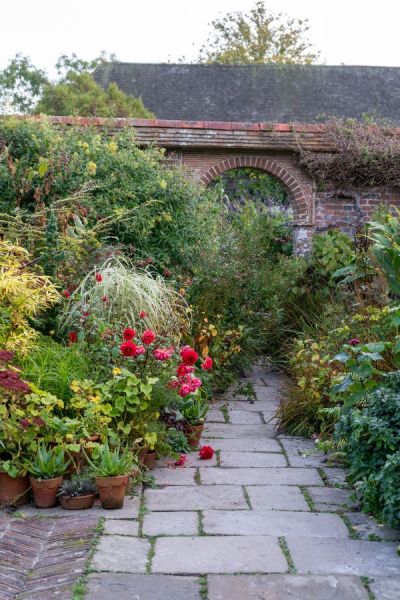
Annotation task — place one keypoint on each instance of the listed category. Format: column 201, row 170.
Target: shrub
column 23, row 295
column 372, row 438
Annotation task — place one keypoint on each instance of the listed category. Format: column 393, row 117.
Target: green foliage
column 177, row 441
column 386, row 248
column 21, row 84
column 332, row 251
column 48, row 463
column 372, row 439
column 111, row 463
column 53, row 367
column 26, row 89
column 195, row 409
column 244, row 184
column 79, row 95
column 77, row 486
column 258, row 37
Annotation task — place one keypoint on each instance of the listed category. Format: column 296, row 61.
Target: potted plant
column 194, row 409
column 77, row 493
column 112, row 469
column 14, row 485
column 46, row 475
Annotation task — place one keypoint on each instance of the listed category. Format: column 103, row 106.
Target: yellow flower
column 94, row 399
column 113, row 147
column 163, row 184
column 91, row 168
column 117, row 371
column 69, row 437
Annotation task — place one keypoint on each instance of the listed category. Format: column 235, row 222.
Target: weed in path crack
column 150, row 555
column 366, row 581
column 285, row 549
column 225, row 414
column 308, row 498
column 142, row 512
column 352, row 531
column 218, row 457
column 323, row 476
column 285, row 454
column 79, row 591
column 197, row 477
column 203, row 587
column 200, row 526
column 247, row 498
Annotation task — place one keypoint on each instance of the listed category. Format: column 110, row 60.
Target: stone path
column 266, row 519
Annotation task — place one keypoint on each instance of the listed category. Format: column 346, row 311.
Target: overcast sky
column 345, row 31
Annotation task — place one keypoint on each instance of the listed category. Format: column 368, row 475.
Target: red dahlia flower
column 99, row 277
column 140, row 350
column 181, row 461
column 143, row 314
column 207, row 363
column 148, row 337
column 73, row 337
column 67, row 294
column 189, row 356
column 163, row 353
column 354, row 342
column 184, row 370
column 105, row 298
column 129, row 334
column 206, row 452
column 184, row 390
column 6, row 356
column 128, row 348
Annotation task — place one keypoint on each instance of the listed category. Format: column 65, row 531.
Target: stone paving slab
column 175, row 477
column 218, row 555
column 274, row 523
column 219, row 430
column 104, row 586
column 199, row 497
column 286, row 587
column 386, row 588
column 367, row 526
column 335, row 475
column 244, row 417
column 120, row 553
column 260, row 476
column 276, row 497
column 244, row 405
column 215, row 416
column 326, row 556
column 130, row 510
column 192, row 460
column 251, row 460
column 332, row 496
column 171, row 523
column 121, row 527
column 243, row 444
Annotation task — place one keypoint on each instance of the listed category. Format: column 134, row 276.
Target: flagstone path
column 265, row 519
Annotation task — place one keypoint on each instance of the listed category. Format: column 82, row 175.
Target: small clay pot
column 77, row 502
column 112, row 490
column 142, row 454
column 193, row 434
column 150, row 459
column 45, row 491
column 13, row 490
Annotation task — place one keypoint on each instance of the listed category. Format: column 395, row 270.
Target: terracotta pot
column 112, row 490
column 77, row 502
column 193, row 434
column 142, row 454
column 13, row 490
column 45, row 491
column 150, row 459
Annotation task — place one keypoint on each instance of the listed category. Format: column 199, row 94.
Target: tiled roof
column 259, row 93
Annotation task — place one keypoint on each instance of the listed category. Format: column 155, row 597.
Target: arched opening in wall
column 256, row 196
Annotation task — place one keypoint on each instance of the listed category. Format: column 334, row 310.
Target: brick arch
column 297, row 196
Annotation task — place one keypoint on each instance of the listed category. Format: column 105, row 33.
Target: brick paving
column 43, row 558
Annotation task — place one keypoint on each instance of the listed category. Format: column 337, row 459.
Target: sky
column 351, row 32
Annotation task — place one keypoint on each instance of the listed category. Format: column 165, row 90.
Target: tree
column 259, row 37
column 21, row 85
column 78, row 94
column 26, row 89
